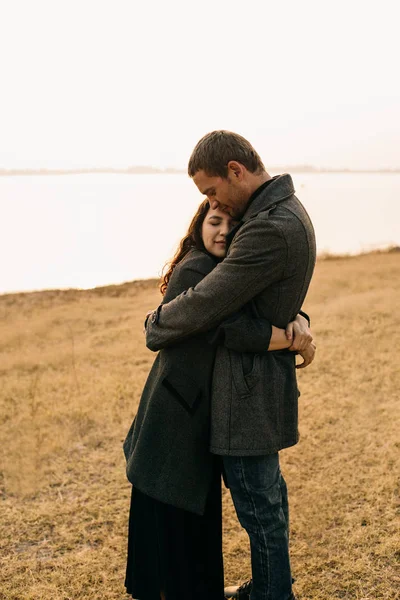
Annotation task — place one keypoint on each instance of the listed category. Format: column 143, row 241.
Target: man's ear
column 235, row 169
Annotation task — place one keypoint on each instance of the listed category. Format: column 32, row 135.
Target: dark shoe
column 242, row 592
column 239, row 592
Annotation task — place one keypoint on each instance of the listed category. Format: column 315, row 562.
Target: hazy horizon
column 153, row 169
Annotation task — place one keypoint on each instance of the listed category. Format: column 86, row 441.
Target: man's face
column 225, row 194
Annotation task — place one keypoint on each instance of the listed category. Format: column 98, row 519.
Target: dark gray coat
column 167, row 447
column 270, row 262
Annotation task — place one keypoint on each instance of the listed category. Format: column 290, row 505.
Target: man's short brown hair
column 214, row 151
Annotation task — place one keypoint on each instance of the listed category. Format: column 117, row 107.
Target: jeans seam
column 260, row 529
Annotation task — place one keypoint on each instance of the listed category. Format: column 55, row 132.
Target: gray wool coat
column 167, row 446
column 269, row 264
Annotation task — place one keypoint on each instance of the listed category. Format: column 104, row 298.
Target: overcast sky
column 121, row 82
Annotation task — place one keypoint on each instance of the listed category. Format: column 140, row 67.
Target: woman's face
column 216, row 226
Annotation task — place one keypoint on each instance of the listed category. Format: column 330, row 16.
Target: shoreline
column 127, row 288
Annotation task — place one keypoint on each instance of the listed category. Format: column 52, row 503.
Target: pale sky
column 122, row 82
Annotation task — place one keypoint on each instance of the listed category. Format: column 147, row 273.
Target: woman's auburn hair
column 192, row 239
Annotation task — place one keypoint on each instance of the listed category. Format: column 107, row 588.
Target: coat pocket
column 184, row 389
column 245, row 380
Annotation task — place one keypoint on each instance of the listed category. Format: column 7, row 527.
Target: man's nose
column 214, row 204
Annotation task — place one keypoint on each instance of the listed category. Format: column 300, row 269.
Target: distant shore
column 126, row 288
column 143, row 170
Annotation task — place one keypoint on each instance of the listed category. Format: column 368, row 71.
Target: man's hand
column 299, row 331
column 308, row 356
column 145, row 320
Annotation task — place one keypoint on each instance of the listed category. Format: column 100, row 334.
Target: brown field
column 72, row 365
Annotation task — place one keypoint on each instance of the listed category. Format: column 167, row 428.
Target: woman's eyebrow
column 214, row 217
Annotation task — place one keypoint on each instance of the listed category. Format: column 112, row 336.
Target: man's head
column 226, row 168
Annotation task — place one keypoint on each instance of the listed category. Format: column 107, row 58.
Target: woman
column 175, row 537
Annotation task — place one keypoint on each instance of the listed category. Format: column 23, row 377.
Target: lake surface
column 90, row 230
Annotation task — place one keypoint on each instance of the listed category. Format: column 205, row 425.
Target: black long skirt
column 174, row 550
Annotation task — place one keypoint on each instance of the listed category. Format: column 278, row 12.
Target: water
column 90, row 230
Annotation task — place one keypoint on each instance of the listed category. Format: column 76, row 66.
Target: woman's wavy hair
column 191, row 240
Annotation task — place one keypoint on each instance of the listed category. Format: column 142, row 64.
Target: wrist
column 279, row 340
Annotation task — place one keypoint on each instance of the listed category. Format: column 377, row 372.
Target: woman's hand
column 298, row 331
column 308, row 356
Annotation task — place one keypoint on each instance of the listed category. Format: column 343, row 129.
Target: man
column 268, row 269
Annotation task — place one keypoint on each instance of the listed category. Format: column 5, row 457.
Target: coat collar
column 280, row 188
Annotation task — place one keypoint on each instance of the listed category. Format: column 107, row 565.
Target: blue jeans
column 259, row 494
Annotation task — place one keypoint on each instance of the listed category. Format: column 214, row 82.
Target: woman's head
column 207, row 231
column 216, row 226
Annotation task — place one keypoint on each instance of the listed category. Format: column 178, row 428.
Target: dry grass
column 72, row 365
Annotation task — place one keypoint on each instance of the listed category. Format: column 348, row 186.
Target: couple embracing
column 222, row 396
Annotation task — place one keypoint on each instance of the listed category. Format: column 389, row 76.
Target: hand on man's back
column 149, row 312
column 303, row 341
column 300, row 332
column 308, row 356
